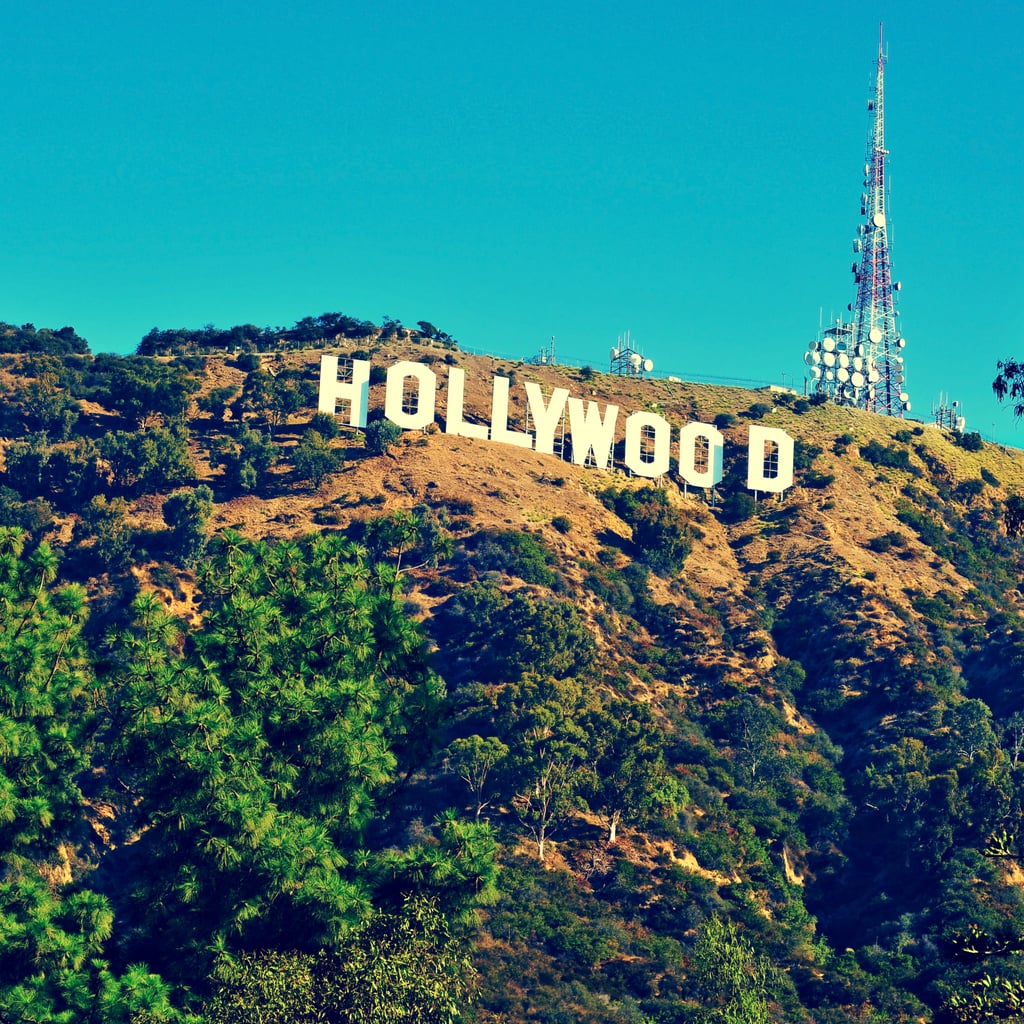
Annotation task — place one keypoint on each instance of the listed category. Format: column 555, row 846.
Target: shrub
column 658, row 528
column 187, row 512
column 970, row 489
column 813, row 478
column 562, row 524
column 328, row 517
column 885, row 455
column 515, row 552
column 500, row 637
column 969, row 442
column 246, row 458
column 35, row 515
column 325, row 425
column 453, row 506
column 804, row 454
column 381, row 435
column 724, row 419
column 738, row 506
column 247, row 361
column 314, row 459
column 107, row 523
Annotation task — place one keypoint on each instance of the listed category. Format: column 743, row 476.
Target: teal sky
column 690, row 173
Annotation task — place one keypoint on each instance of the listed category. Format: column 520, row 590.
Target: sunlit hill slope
column 824, row 686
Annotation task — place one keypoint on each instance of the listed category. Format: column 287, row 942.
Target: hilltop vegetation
column 301, row 722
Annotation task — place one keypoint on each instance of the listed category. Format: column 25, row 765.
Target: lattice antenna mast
column 874, row 311
column 860, row 363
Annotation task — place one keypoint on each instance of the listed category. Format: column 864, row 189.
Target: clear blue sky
column 688, row 172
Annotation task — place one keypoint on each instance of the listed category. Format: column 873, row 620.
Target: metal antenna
column 860, row 363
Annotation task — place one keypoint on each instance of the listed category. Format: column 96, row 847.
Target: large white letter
column 421, row 413
column 499, row 417
column 769, row 459
column 635, row 426
column 357, row 391
column 545, row 417
column 592, row 431
column 711, row 474
column 453, row 421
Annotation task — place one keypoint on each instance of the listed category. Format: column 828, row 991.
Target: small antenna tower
column 949, row 415
column 546, row 355
column 627, row 361
column 860, row 362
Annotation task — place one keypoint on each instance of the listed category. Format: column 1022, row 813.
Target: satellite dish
column 859, row 350
column 875, row 335
column 635, row 359
column 901, row 342
column 813, row 346
column 615, row 353
column 858, row 363
column 809, row 358
column 829, row 375
column 857, row 379
column 815, row 372
column 829, row 344
column 906, row 407
column 904, row 397
column 898, row 286
column 844, row 360
column 648, row 365
column 829, row 359
column 842, row 374
column 873, row 376
column 878, row 220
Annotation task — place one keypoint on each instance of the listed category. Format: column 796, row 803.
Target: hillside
column 798, row 716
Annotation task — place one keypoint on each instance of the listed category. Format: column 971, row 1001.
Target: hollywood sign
column 410, row 402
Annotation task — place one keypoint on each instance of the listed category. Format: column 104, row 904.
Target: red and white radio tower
column 860, row 363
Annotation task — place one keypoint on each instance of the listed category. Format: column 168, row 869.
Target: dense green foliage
column 660, row 533
column 397, row 968
column 52, row 931
column 28, row 338
column 259, row 759
column 309, row 331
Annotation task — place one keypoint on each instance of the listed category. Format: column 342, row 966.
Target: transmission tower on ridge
column 860, row 362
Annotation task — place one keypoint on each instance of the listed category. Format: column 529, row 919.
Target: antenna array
column 860, row 362
column 626, row 361
column 949, row 415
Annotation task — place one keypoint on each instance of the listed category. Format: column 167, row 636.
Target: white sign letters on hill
column 410, row 400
